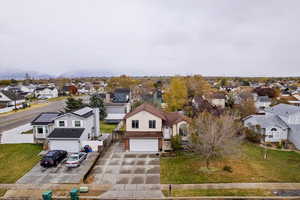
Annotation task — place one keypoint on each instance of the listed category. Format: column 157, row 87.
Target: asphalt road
column 20, row 118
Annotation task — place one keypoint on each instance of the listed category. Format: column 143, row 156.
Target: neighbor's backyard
column 249, row 166
column 16, row 160
column 107, row 128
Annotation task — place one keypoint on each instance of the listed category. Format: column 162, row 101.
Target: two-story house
column 46, row 92
column 150, row 129
column 10, row 100
column 67, row 131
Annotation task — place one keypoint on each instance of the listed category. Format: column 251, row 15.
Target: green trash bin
column 47, row 195
column 74, row 194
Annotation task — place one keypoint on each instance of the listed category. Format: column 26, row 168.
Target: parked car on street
column 53, row 158
column 75, row 159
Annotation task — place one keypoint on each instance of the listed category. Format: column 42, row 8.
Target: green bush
column 252, row 136
column 279, row 145
column 227, row 169
column 176, row 143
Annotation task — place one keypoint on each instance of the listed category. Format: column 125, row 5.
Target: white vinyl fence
column 15, row 136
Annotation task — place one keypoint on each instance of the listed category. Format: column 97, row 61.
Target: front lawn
column 249, row 166
column 107, row 128
column 16, row 160
column 218, row 192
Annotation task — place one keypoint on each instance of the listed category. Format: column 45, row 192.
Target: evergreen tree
column 73, row 104
column 97, row 102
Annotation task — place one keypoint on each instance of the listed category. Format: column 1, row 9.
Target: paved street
column 11, row 121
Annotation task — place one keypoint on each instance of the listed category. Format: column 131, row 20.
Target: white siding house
column 282, row 121
column 46, row 92
column 68, row 131
column 272, row 127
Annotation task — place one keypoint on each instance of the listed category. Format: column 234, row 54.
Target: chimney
column 96, row 122
column 107, row 97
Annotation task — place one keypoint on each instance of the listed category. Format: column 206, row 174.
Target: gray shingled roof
column 72, row 133
column 267, row 121
column 283, row 110
column 12, row 95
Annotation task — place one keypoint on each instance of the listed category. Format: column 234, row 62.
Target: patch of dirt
column 89, row 179
column 123, row 181
column 139, row 170
column 140, row 162
column 153, row 170
column 137, row 180
column 130, row 156
column 152, row 180
column 153, row 162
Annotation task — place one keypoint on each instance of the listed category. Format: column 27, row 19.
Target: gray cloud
column 140, row 37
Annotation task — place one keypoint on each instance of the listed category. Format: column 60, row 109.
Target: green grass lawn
column 58, row 98
column 28, row 132
column 16, row 160
column 107, row 128
column 249, row 166
column 218, row 192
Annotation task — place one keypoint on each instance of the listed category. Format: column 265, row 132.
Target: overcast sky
column 151, row 37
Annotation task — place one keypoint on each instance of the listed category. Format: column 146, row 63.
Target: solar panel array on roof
column 45, row 118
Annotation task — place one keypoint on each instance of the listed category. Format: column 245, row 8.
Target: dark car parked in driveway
column 53, row 158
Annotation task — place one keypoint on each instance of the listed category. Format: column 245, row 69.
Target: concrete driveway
column 118, row 167
column 132, row 175
column 59, row 174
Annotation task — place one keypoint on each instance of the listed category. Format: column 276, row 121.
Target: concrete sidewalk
column 272, row 186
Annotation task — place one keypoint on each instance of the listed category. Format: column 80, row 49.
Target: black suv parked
column 52, row 158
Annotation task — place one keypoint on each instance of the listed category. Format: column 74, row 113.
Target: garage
column 67, row 139
column 143, row 145
column 67, row 145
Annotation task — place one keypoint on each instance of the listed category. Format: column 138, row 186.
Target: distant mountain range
column 86, row 73
column 20, row 75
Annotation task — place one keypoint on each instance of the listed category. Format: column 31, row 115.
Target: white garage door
column 143, row 144
column 67, row 145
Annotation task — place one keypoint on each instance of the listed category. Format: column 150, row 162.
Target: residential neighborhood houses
column 45, row 92
column 138, row 131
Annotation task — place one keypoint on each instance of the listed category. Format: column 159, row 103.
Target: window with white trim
column 40, row 130
column 135, row 123
column 152, row 124
column 61, row 123
column 77, row 123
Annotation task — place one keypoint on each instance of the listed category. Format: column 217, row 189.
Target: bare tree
column 214, row 137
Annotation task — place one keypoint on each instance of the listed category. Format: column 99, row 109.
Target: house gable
column 143, row 118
